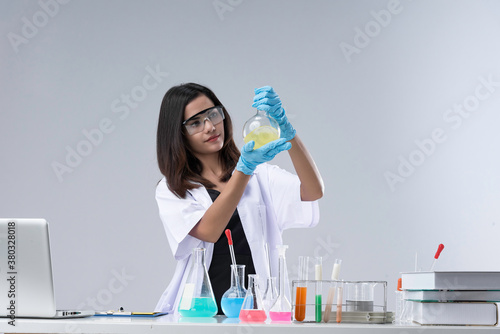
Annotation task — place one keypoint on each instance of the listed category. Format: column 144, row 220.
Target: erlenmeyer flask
column 281, row 309
column 232, row 299
column 261, row 128
column 252, row 309
column 270, row 294
column 198, row 298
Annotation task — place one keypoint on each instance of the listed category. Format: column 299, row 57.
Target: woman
column 209, row 186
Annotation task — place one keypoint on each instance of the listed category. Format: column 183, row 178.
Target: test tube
column 399, row 303
column 331, row 290
column 301, row 296
column 339, row 304
column 318, row 276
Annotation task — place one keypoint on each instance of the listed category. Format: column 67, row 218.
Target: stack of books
column 452, row 297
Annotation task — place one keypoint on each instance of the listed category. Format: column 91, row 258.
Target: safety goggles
column 196, row 123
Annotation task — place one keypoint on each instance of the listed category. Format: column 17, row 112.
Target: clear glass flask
column 252, row 309
column 198, row 297
column 232, row 299
column 281, row 310
column 261, row 128
column 270, row 294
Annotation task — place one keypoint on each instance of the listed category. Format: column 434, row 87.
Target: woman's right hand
column 250, row 158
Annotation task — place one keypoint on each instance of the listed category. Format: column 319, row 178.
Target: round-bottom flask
column 232, row 299
column 261, row 128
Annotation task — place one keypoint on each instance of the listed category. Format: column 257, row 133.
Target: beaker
column 360, row 296
column 198, row 297
column 301, row 295
column 281, row 309
column 270, row 294
column 261, row 128
column 232, row 299
column 252, row 309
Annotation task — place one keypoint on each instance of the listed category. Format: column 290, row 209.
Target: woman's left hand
column 266, row 99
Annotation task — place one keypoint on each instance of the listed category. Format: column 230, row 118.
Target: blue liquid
column 200, row 307
column 231, row 306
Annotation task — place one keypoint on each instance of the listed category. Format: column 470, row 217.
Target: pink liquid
column 281, row 316
column 253, row 315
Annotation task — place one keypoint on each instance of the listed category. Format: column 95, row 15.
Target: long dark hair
column 175, row 158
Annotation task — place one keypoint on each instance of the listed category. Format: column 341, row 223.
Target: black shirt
column 220, row 267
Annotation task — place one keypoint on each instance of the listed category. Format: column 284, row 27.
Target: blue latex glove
column 266, row 99
column 250, row 158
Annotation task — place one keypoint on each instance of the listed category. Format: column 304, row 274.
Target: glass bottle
column 232, row 299
column 281, row 309
column 270, row 294
column 252, row 309
column 261, row 128
column 198, row 297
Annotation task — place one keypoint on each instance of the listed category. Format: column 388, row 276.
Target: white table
column 216, row 325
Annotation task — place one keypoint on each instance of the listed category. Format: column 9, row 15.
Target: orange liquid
column 300, row 303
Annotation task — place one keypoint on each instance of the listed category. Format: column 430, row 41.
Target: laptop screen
column 26, row 284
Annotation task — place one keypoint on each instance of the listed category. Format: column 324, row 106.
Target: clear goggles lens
column 196, row 123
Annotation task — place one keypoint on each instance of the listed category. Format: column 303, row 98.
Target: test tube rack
column 362, row 301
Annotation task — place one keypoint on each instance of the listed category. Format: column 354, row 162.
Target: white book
column 451, row 280
column 452, row 295
column 458, row 313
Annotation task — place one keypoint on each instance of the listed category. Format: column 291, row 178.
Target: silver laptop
column 26, row 284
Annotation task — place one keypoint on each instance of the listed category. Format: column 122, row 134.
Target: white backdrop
column 398, row 101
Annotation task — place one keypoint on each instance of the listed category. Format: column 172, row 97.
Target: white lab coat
column 270, row 204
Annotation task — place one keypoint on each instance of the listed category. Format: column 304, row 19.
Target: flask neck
column 252, row 284
column 271, row 290
column 238, row 275
column 261, row 112
column 281, row 275
column 271, row 283
column 199, row 256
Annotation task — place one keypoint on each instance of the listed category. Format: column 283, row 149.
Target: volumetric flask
column 233, row 298
column 198, row 298
column 261, row 128
column 252, row 309
column 281, row 310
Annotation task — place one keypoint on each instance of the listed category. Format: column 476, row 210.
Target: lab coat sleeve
column 179, row 216
column 290, row 210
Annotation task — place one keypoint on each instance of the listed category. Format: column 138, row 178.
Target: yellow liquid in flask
column 262, row 135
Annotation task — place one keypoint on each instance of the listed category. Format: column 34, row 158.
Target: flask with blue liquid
column 233, row 298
